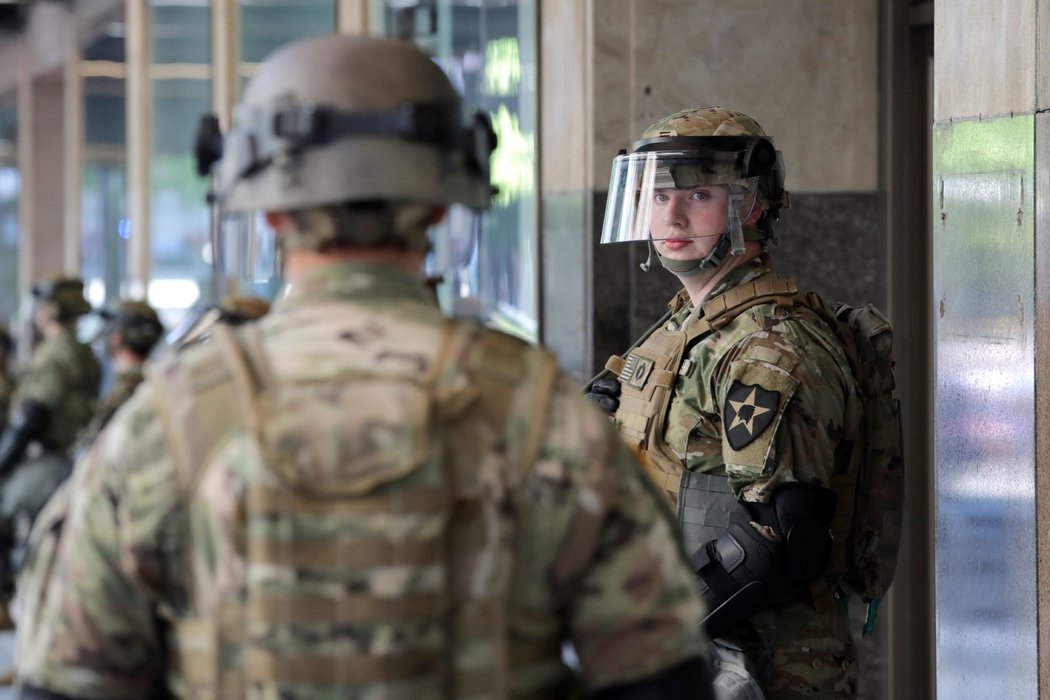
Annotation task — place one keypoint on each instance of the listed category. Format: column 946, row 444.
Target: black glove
column 605, row 393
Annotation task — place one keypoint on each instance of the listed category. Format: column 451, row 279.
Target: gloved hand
column 605, row 393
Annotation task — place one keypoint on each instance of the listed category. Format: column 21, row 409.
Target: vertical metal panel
column 984, row 407
column 1042, row 379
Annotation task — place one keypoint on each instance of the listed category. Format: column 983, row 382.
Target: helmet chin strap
column 724, row 247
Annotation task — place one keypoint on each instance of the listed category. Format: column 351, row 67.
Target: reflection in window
column 104, row 227
column 488, row 50
column 179, row 216
column 10, row 187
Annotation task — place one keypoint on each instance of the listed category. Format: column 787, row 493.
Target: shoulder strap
column 768, row 288
column 514, row 382
column 197, row 403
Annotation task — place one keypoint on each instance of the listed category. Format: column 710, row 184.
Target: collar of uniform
column 751, row 270
column 355, row 280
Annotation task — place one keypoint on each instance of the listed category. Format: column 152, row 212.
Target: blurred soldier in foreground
column 54, row 402
column 355, row 496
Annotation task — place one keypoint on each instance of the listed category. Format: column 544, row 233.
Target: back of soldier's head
column 136, row 323
column 63, row 297
column 366, row 126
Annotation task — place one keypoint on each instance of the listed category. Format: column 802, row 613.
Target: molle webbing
column 649, row 372
column 765, row 290
column 509, row 390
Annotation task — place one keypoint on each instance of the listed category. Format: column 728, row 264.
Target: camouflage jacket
column 64, row 377
column 588, row 550
column 767, row 399
column 124, row 384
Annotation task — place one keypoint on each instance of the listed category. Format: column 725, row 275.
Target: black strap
column 311, row 124
column 713, row 573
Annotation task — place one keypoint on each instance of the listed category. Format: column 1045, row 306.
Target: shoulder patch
column 749, row 409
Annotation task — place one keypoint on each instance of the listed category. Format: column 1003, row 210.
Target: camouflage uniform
column 796, row 650
column 64, row 377
column 124, row 384
column 749, row 387
column 586, row 551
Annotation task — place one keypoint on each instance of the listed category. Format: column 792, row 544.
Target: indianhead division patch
column 748, row 411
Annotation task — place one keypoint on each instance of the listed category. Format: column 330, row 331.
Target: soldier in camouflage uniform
column 132, row 330
column 53, row 403
column 355, row 497
column 741, row 402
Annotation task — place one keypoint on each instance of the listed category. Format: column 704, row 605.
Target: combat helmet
column 65, row 295
column 137, row 323
column 695, row 148
column 350, row 120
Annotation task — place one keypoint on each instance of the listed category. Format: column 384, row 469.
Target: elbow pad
column 746, row 570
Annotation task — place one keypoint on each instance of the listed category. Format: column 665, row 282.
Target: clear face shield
column 676, row 195
column 246, row 256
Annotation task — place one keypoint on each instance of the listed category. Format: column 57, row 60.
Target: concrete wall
column 808, row 71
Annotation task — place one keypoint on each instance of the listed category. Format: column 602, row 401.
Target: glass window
column 180, row 229
column 10, row 187
column 104, row 225
column 488, row 50
column 263, row 26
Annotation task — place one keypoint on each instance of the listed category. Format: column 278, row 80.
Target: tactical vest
column 870, row 489
column 380, row 562
column 649, row 372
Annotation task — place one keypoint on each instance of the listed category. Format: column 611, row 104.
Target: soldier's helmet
column 65, row 295
column 352, row 120
column 137, row 323
column 695, row 148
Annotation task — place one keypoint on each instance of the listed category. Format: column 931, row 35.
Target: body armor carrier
column 869, row 492
column 426, row 571
column 649, row 372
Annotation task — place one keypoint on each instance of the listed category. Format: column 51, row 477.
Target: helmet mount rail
column 309, row 125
